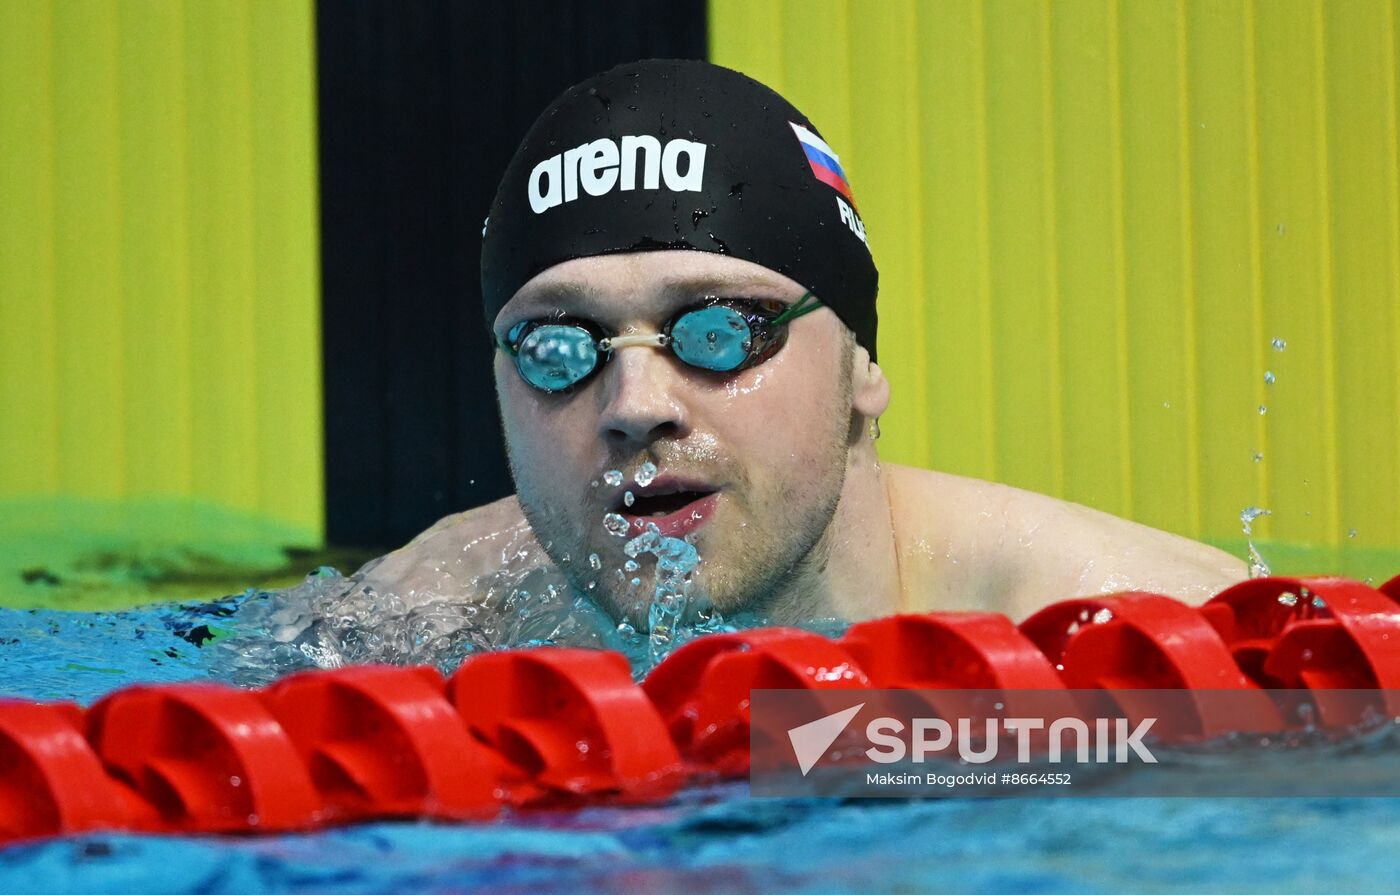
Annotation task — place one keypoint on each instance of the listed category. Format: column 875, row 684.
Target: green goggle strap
column 798, row 308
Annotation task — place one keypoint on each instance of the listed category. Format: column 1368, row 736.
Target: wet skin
column 771, row 472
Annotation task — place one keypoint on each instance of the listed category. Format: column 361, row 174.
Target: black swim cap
column 679, row 154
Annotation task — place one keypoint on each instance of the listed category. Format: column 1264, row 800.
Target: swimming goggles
column 723, row 335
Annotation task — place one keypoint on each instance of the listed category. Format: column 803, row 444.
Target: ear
column 870, row 390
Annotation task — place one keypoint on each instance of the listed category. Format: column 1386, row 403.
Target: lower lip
column 679, row 523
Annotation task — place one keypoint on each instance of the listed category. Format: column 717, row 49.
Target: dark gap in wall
column 420, row 106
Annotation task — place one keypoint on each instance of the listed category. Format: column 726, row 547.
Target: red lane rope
column 565, row 727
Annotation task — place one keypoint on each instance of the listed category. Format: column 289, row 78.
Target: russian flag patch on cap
column 826, row 167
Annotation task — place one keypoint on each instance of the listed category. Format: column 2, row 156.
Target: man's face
column 750, row 464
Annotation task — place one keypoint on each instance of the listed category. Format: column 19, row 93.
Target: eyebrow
column 584, row 299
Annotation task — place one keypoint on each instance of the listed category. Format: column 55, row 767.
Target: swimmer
column 675, row 273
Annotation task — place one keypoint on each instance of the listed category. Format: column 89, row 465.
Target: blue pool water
column 706, row 839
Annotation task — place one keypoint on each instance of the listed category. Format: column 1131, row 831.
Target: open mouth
column 663, row 504
column 673, row 506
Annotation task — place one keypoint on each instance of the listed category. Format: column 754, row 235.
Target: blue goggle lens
column 715, row 338
column 555, row 356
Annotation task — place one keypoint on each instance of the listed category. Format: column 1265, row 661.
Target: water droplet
column 1319, row 603
column 1167, row 405
column 646, row 474
column 1351, row 532
column 636, row 582
column 1249, row 514
column 629, row 498
column 1258, row 456
column 1279, row 344
column 1288, row 599
column 613, row 477
column 1102, row 616
column 594, row 562
column 631, row 565
column 1263, row 409
column 616, row 525
column 1268, row 377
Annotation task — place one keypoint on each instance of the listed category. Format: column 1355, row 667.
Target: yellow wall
column 159, row 279
column 1092, row 217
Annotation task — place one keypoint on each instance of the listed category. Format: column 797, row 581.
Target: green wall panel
column 159, row 279
column 1093, row 217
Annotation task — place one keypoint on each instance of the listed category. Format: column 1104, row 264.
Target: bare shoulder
column 452, row 558
column 992, row 546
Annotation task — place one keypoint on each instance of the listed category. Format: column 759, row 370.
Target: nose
column 643, row 399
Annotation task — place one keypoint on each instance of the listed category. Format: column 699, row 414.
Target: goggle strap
column 505, row 346
column 798, row 308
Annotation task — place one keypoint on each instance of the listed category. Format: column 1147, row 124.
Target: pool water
column 718, row 840
column 706, row 838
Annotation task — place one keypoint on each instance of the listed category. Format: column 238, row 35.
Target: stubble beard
column 768, row 566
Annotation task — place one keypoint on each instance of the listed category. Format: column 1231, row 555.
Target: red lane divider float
column 52, row 782
column 556, row 726
column 382, row 741
column 946, row 654
column 1316, row 633
column 702, row 689
column 1149, row 645
column 209, row 758
column 567, row 721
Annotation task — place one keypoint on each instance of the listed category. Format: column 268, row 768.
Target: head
column 601, row 220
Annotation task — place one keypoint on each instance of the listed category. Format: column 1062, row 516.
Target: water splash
column 646, row 474
column 1257, row 567
column 329, row 621
column 676, row 560
column 612, row 478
